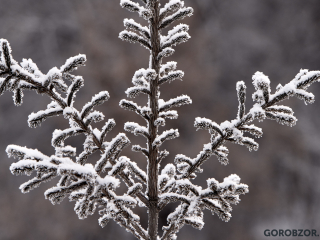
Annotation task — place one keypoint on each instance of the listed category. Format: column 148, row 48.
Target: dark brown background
column 231, row 40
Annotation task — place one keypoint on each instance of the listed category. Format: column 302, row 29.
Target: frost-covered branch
column 130, row 24
column 148, row 81
column 217, row 198
column 80, row 180
column 142, row 111
column 134, row 38
column 83, row 182
column 265, row 107
column 174, row 102
column 178, row 15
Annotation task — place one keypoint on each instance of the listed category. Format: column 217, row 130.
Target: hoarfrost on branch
column 84, row 183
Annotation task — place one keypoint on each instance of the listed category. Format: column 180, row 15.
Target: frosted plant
column 94, row 187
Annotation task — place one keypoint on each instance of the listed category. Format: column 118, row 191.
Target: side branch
column 15, row 71
column 264, row 108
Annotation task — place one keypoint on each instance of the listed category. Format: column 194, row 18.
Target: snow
column 300, row 74
column 68, row 112
column 175, row 39
column 21, row 71
column 182, row 158
column 172, row 114
column 160, row 122
column 178, row 15
column 135, row 169
column 282, row 118
column 23, row 167
column 172, row 5
column 89, row 146
column 205, row 123
column 138, row 74
column 260, row 80
column 306, row 96
column 31, row 67
column 174, row 102
column 25, row 153
column 279, row 108
column 97, row 132
column 67, row 150
column 279, row 86
column 256, row 131
column 166, row 135
column 185, row 183
column 133, row 92
column 249, row 143
column 226, row 125
column 133, row 22
column 162, row 179
column 174, row 75
column 87, row 172
column 95, row 116
column 240, row 85
column 108, row 165
column 133, row 25
column 169, row 170
column 77, row 83
column 235, row 178
column 183, row 167
column 227, row 183
column 100, row 98
column 306, row 76
column 26, row 166
column 116, row 145
column 129, row 105
column 109, row 125
column 73, row 62
column 35, row 119
column 195, row 222
column 289, row 88
column 145, row 110
column 166, row 52
column 53, row 104
column 257, row 112
column 149, row 74
column 177, row 29
column 131, row 6
column 96, row 100
column 117, row 168
column 128, row 201
column 302, row 79
column 134, row 188
column 166, row 68
column 134, row 38
column 136, row 129
column 58, row 136
column 168, row 186
column 54, row 73
column 173, row 197
column 108, row 181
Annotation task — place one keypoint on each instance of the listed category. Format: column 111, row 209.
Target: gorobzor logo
column 291, row 232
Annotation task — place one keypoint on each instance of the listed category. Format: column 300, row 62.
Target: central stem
column 153, row 212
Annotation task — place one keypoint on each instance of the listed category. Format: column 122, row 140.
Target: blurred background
column 231, row 40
